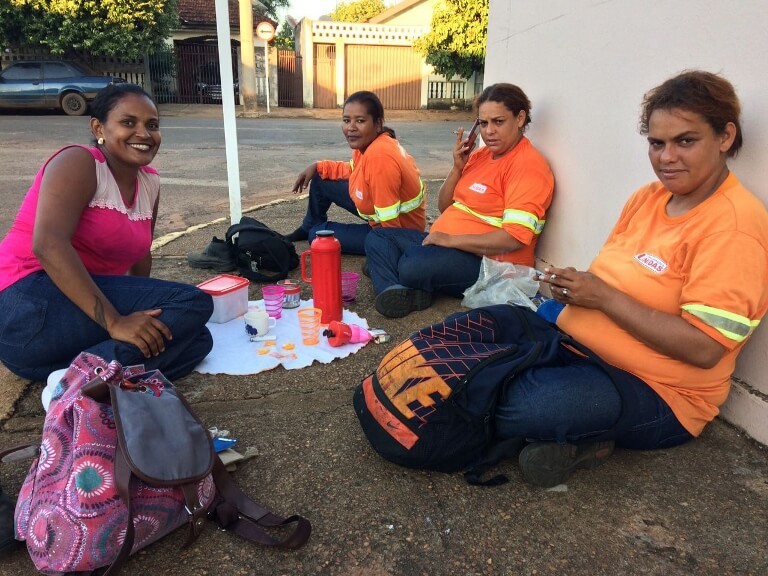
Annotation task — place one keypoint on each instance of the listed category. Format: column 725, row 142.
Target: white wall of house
column 585, row 66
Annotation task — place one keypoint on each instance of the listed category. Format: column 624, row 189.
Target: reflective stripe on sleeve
column 525, row 219
column 492, row 220
column 520, row 217
column 386, row 213
column 733, row 326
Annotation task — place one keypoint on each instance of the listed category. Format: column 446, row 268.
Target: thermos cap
column 324, row 233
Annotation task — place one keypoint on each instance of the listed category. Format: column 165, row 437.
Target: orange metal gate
column 392, row 72
column 324, row 84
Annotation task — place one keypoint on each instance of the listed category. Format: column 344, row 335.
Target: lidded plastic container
column 230, row 296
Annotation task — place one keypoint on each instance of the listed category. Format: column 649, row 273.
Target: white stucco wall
column 585, row 66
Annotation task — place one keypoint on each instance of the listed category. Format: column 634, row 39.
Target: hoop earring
column 100, row 141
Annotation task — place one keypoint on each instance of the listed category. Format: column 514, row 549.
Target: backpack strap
column 236, row 512
column 18, row 453
column 499, row 451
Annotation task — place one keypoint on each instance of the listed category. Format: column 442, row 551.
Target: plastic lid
column 222, row 284
column 324, row 233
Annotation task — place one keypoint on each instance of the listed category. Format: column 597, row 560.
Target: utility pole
column 247, row 57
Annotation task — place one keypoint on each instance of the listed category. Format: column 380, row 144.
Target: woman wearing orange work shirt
column 381, row 183
column 492, row 204
column 668, row 300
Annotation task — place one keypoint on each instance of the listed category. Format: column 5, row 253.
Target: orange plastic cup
column 309, row 323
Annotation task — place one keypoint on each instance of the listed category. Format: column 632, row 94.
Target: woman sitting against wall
column 492, row 203
column 678, row 287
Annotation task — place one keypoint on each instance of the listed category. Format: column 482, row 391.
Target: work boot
column 548, row 464
column 8, row 542
column 298, row 235
column 398, row 301
column 217, row 256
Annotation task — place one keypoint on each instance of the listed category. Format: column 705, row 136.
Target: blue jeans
column 322, row 195
column 41, row 330
column 577, row 400
column 396, row 257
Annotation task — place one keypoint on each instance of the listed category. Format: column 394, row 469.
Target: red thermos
column 325, row 262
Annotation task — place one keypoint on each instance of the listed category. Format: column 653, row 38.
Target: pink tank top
column 110, row 237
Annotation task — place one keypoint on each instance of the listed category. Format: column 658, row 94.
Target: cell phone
column 473, row 132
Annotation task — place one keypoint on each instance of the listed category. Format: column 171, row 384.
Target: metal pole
column 266, row 69
column 228, row 106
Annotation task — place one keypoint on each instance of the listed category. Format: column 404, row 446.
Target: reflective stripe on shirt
column 387, row 213
column 511, row 216
column 730, row 325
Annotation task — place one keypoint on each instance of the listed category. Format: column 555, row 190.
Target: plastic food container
column 230, row 296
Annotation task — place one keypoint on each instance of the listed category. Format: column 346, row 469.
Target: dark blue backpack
column 431, row 403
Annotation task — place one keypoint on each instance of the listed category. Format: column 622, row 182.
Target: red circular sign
column 265, row 31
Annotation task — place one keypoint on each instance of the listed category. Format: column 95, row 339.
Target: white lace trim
column 108, row 194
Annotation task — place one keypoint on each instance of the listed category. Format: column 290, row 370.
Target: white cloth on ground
column 234, row 353
column 53, row 381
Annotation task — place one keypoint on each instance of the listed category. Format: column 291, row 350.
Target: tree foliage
column 357, row 10
column 455, row 44
column 285, row 39
column 269, row 7
column 125, row 28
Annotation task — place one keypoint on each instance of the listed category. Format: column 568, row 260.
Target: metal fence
column 446, row 90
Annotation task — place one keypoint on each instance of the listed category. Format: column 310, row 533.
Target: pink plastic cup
column 309, row 323
column 273, row 300
column 349, row 282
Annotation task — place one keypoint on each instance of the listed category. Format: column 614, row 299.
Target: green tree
column 455, row 44
column 268, row 8
column 285, row 40
column 125, row 28
column 357, row 10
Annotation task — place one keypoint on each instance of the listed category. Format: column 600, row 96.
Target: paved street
column 193, row 164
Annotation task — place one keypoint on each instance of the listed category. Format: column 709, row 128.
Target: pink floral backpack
column 124, row 461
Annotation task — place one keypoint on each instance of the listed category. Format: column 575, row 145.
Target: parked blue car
column 51, row 84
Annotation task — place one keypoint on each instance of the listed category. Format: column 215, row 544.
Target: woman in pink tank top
column 74, row 268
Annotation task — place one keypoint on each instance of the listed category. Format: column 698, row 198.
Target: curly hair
column 513, row 98
column 704, row 93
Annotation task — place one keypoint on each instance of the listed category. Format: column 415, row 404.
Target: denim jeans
column 322, row 195
column 41, row 330
column 396, row 257
column 577, row 400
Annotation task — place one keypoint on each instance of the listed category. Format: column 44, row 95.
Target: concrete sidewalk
column 700, row 509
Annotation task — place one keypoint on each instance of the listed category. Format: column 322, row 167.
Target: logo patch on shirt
column 479, row 188
column 653, row 263
column 359, row 194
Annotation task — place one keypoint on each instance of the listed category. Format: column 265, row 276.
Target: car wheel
column 73, row 104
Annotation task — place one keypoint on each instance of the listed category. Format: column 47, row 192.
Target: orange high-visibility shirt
column 384, row 184
column 709, row 266
column 511, row 193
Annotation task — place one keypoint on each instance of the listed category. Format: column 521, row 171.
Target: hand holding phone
column 469, row 143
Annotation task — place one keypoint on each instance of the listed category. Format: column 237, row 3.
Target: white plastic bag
column 502, row 283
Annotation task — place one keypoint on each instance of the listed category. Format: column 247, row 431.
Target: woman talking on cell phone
column 380, row 185
column 492, row 203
